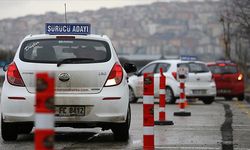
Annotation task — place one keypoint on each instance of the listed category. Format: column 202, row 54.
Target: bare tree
column 226, row 36
column 226, row 21
column 241, row 15
column 235, row 17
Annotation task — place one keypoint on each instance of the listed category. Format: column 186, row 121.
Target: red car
column 229, row 81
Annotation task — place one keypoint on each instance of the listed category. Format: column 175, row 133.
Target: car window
column 223, row 69
column 54, row 50
column 164, row 67
column 2, row 63
column 195, row 67
column 149, row 68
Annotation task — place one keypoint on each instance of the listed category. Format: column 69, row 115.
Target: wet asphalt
column 223, row 125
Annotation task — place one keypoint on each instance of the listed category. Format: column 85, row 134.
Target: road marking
column 240, row 125
column 94, row 136
column 241, row 148
column 185, row 148
column 242, row 129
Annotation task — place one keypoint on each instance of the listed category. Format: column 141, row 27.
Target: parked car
column 1, row 75
column 2, row 64
column 199, row 84
column 229, row 80
column 96, row 83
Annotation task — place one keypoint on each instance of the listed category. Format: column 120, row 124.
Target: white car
column 96, row 82
column 200, row 83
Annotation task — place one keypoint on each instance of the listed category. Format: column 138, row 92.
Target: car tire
column 228, row 98
column 132, row 98
column 121, row 131
column 241, row 97
column 9, row 131
column 25, row 129
column 170, row 99
column 208, row 101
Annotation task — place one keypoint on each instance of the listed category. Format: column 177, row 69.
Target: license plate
column 70, row 111
column 224, row 91
column 199, row 92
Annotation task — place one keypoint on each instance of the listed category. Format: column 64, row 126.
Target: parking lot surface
column 204, row 129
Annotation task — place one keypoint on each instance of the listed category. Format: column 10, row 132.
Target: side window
column 149, row 68
column 164, row 66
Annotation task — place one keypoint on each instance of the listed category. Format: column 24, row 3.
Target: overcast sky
column 17, row 8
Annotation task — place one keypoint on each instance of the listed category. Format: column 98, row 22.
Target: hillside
column 175, row 27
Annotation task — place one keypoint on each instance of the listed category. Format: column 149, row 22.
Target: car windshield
column 194, row 67
column 57, row 50
column 226, row 69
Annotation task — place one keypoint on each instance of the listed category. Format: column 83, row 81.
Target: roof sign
column 189, row 58
column 224, row 61
column 67, row 28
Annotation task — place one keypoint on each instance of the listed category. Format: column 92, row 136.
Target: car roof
column 174, row 61
column 47, row 36
column 221, row 62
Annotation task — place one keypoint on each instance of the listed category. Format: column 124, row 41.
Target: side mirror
column 5, row 68
column 129, row 68
column 137, row 73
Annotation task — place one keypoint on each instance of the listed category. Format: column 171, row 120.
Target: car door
column 165, row 67
column 147, row 69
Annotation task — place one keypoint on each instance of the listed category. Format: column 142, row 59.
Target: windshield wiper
column 201, row 71
column 70, row 60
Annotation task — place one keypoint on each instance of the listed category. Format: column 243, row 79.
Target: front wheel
column 170, row 99
column 208, row 101
column 121, row 131
column 9, row 131
column 228, row 98
column 25, row 128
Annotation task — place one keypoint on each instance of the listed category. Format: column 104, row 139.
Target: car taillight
column 115, row 76
column 222, row 65
column 13, row 75
column 174, row 75
column 240, row 77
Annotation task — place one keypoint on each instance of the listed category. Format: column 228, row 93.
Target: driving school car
column 91, row 88
column 199, row 84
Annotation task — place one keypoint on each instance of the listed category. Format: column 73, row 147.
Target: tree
column 241, row 15
column 235, row 18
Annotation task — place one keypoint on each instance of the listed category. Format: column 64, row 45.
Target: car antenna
column 65, row 12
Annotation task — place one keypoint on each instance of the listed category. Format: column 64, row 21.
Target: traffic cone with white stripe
column 44, row 108
column 162, row 103
column 148, row 112
column 182, row 101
